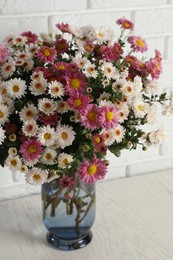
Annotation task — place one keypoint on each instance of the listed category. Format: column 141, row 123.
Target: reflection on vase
column 68, row 217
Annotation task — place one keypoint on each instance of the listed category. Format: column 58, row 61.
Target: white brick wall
column 153, row 21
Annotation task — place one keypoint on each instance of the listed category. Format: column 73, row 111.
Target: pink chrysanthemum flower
column 47, row 54
column 76, row 82
column 31, row 149
column 111, row 53
column 61, row 45
column 66, row 182
column 125, row 24
column 92, row 170
column 31, row 37
column 90, row 118
column 51, row 119
column 63, row 27
column 89, row 46
column 154, row 66
column 61, row 66
column 137, row 44
column 109, row 117
column 3, row 53
column 79, row 102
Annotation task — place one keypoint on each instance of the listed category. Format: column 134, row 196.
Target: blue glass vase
column 68, row 219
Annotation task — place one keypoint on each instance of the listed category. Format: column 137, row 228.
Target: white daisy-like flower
column 30, row 128
column 23, row 168
column 47, row 106
column 3, row 88
column 21, row 40
column 49, row 156
column 151, row 117
column 88, row 32
column 138, row 83
column 12, row 151
column 109, row 136
column 13, row 163
column 4, row 113
column 65, row 136
column 7, row 69
column 104, row 103
column 28, row 112
column 9, row 102
column 80, row 61
column 64, row 160
column 47, row 38
column 156, row 137
column 90, row 70
column 2, row 135
column 22, row 55
column 34, row 50
column 16, row 88
column 37, row 75
column 28, row 65
column 56, row 89
column 105, row 82
column 47, row 135
column 104, row 96
column 108, row 70
column 122, row 113
column 128, row 89
column 36, row 176
column 62, row 106
column 38, row 87
column 124, row 74
column 119, row 133
column 9, row 40
column 102, row 34
column 118, row 85
column 138, row 106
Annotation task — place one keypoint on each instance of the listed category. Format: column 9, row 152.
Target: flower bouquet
column 66, row 98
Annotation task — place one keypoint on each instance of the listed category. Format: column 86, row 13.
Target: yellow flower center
column 140, row 42
column 15, row 88
column 1, row 114
column 32, row 149
column 65, row 161
column 75, row 83
column 64, row 135
column 77, row 102
column 98, row 139
column 48, row 156
column 36, row 177
column 109, row 115
column 47, row 52
column 13, row 162
column 4, row 91
column 92, row 169
column 47, row 136
column 12, row 137
column 140, row 107
column 126, row 25
column 101, row 35
column 91, row 116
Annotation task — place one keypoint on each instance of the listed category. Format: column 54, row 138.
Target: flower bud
column 12, row 137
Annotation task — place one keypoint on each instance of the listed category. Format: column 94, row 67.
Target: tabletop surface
column 134, row 221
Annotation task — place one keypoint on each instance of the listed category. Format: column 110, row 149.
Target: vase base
column 69, row 245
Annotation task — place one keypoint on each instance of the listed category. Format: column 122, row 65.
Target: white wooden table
column 134, row 222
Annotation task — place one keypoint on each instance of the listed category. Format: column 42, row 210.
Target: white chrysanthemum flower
column 36, row 176
column 118, row 85
column 21, row 40
column 102, row 34
column 104, row 96
column 104, row 103
column 28, row 112
column 119, row 133
column 87, row 31
column 16, row 88
column 109, row 136
column 128, row 89
column 37, row 75
column 124, row 74
column 47, row 38
column 47, row 135
column 64, row 160
column 9, row 40
column 151, row 117
column 28, row 65
column 56, row 89
column 2, row 135
column 105, row 82
column 12, row 151
column 139, row 107
column 151, row 86
column 3, row 88
column 22, row 55
column 156, row 137
column 38, row 87
column 13, row 163
column 47, row 106
column 9, row 102
column 108, row 70
column 62, row 106
column 80, row 61
column 90, row 70
column 66, row 136
column 7, row 69
column 30, row 128
column 49, row 156
column 122, row 113
column 4, row 113
column 137, row 83
column 23, row 168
